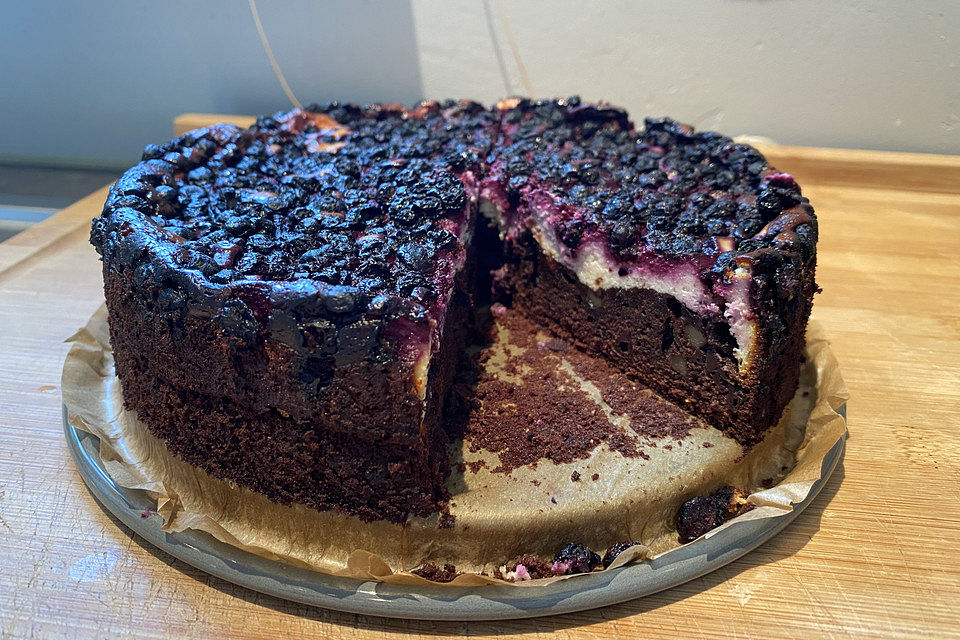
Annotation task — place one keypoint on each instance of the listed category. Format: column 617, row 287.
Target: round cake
column 288, row 303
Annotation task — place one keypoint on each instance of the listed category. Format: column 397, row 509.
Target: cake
column 287, row 303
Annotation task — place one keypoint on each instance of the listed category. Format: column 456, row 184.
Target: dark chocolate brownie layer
column 650, row 336
column 349, row 451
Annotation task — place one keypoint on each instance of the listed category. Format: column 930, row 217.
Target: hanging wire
column 508, row 32
column 273, row 61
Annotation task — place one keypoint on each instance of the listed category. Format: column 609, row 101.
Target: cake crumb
column 524, row 567
column 575, row 476
column 446, row 520
column 595, row 477
column 552, row 345
column 476, row 465
column 434, row 573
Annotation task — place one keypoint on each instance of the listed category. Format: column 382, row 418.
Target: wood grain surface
column 876, row 555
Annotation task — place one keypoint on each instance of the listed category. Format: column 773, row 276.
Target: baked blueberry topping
column 667, row 188
column 364, row 209
column 337, row 195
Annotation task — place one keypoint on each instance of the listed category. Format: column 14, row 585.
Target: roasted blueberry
column 222, row 277
column 277, row 266
column 238, row 226
column 623, row 233
column 697, row 516
column 453, row 198
column 152, row 152
column 131, row 201
column 166, row 194
column 427, row 206
column 383, row 304
column 575, row 558
column 403, row 212
column 722, row 209
column 618, row 207
column 748, row 226
column 721, row 180
column 589, row 174
column 340, row 299
column 363, row 213
column 514, row 187
column 700, row 201
column 715, row 227
column 237, row 321
column 171, row 300
column 145, row 276
column 691, row 224
column 128, row 250
column 417, row 257
column 200, row 262
column 615, row 550
column 315, row 257
column 408, row 281
column 201, row 175
column 773, row 200
column 259, row 243
column 571, row 233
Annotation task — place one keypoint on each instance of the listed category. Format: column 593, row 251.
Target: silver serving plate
column 489, row 602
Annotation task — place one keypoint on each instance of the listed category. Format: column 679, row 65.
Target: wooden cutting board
column 876, row 555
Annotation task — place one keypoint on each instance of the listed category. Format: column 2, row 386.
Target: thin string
column 273, row 61
column 508, row 32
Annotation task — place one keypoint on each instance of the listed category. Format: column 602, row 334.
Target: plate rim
column 488, row 602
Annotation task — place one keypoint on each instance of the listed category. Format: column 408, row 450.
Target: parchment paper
column 498, row 516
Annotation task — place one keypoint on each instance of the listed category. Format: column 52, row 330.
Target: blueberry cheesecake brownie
column 288, row 302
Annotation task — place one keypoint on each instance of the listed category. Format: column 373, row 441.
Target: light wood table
column 876, row 555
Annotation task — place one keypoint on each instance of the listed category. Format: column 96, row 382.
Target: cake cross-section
column 681, row 256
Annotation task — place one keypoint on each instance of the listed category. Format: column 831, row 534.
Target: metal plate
column 204, row 552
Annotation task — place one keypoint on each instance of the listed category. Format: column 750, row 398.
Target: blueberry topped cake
column 288, row 302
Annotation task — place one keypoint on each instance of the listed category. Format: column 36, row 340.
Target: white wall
column 877, row 75
column 95, row 81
